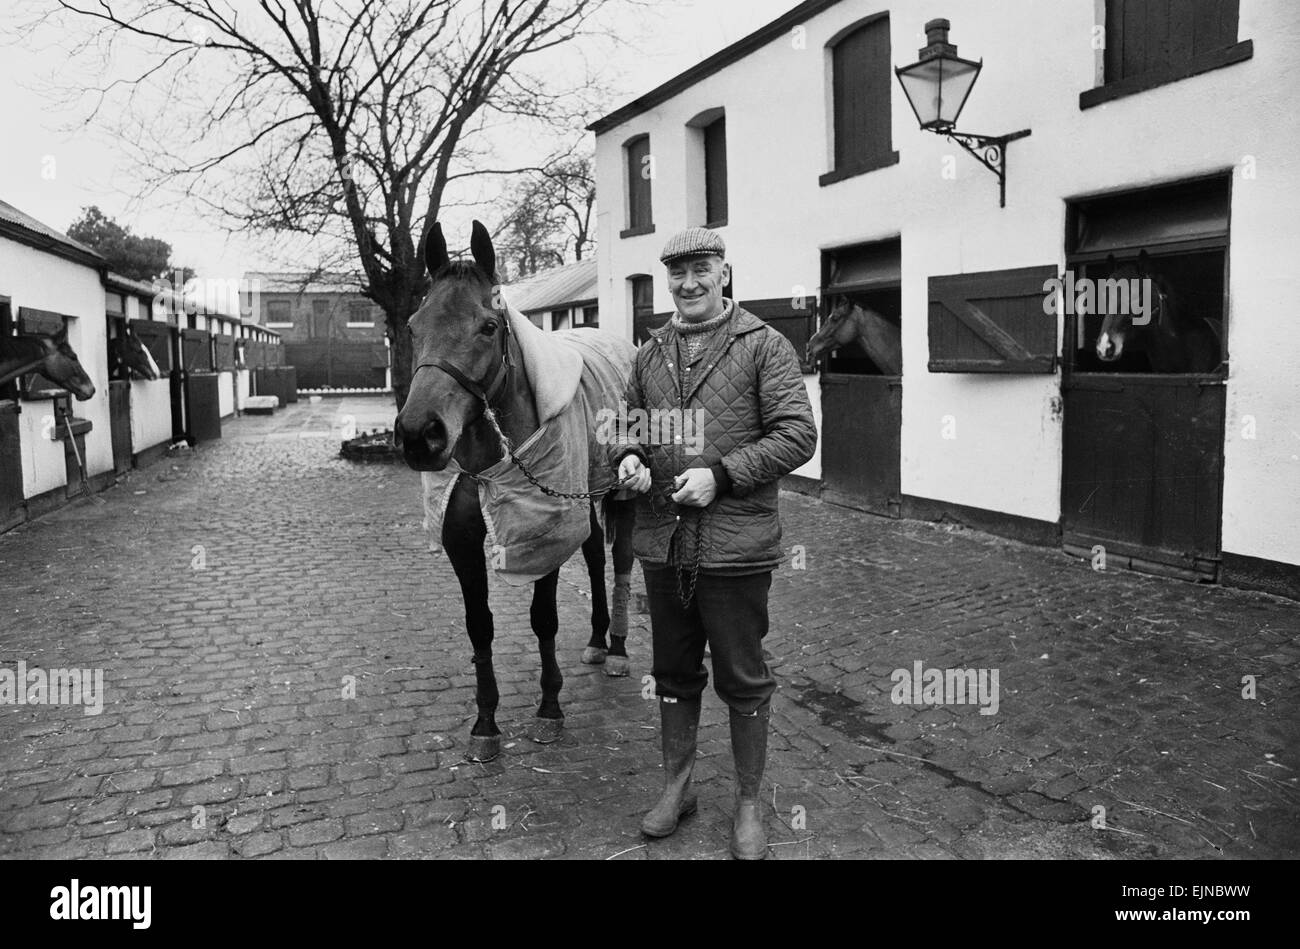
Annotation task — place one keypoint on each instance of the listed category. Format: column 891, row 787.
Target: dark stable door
column 11, row 467
column 203, row 405
column 119, row 410
column 862, row 420
column 1143, row 468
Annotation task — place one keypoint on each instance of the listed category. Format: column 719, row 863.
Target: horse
column 468, row 396
column 51, row 356
column 847, row 322
column 1172, row 342
column 128, row 354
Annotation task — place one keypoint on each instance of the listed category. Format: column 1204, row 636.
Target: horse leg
column 548, row 726
column 621, row 518
column 463, row 532
column 593, row 552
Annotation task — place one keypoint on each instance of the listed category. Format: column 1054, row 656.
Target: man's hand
column 638, row 474
column 696, row 487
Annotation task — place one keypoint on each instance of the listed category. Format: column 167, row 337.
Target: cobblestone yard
column 228, row 594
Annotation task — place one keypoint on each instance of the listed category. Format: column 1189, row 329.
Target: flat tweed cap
column 693, row 242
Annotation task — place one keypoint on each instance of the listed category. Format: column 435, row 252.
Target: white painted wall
column 43, row 281
column 1038, row 59
column 241, row 387
column 151, row 413
column 226, row 394
column 151, row 401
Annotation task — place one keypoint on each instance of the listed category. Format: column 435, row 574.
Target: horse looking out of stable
column 51, row 356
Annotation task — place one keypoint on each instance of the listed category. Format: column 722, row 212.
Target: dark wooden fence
column 337, row 364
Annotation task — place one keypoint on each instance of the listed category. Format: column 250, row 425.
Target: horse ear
column 480, row 243
column 435, row 249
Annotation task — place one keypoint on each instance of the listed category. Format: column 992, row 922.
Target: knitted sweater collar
column 706, row 326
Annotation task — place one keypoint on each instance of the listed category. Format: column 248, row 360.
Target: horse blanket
column 574, row 375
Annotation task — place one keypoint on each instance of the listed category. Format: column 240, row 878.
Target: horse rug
column 574, row 374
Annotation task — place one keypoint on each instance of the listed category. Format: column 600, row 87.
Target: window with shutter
column 860, row 95
column 992, row 322
column 156, row 337
column 196, row 350
column 715, row 172
column 640, row 169
column 1153, row 42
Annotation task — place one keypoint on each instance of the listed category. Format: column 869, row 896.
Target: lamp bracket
column 989, row 150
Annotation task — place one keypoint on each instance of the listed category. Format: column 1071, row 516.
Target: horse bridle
column 489, row 388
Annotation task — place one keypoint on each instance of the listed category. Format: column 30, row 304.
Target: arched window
column 860, row 100
column 640, row 171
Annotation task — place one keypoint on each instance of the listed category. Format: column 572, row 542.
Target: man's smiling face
column 696, row 285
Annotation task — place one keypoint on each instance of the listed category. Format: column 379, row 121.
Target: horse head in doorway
column 1142, row 313
column 51, row 356
column 128, row 354
column 849, row 321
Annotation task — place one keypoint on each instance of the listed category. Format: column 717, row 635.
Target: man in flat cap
column 707, row 531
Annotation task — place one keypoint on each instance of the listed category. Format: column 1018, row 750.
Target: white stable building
column 1160, row 126
column 52, row 448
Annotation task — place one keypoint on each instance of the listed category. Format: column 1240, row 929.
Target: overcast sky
column 672, row 35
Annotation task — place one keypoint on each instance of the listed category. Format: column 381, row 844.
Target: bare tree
column 551, row 217
column 570, row 186
column 343, row 119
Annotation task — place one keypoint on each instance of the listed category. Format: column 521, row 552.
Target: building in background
column 333, row 336
column 1155, row 127
column 558, row 299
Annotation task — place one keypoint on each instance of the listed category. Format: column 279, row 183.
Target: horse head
column 61, row 365
column 1130, row 289
column 129, row 351
column 838, row 330
column 460, row 346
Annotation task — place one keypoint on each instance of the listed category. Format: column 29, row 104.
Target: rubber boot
column 749, row 749
column 679, row 722
column 618, row 665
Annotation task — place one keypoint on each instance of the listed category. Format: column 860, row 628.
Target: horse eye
column 489, row 328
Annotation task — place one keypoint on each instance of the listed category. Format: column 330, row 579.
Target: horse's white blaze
column 157, row 373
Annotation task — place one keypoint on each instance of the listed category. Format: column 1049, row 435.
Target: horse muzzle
column 428, row 449
column 1109, row 348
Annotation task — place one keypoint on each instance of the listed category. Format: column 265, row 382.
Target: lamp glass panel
column 958, row 78
column 921, row 85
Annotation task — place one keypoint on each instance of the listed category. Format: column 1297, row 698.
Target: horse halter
column 489, row 388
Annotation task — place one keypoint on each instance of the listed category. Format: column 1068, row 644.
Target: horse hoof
column 483, row 748
column 594, row 656
column 546, row 730
column 616, row 666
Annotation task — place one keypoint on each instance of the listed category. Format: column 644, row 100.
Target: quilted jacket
column 749, row 394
